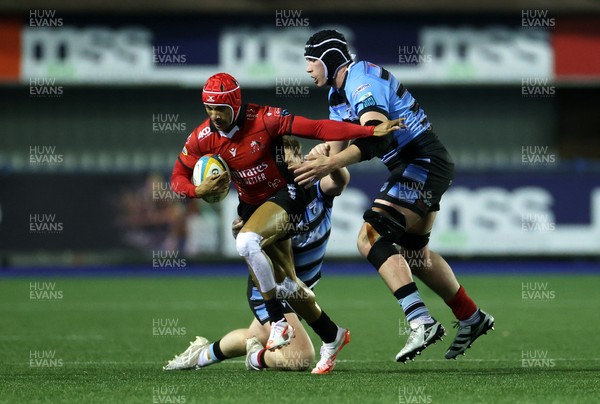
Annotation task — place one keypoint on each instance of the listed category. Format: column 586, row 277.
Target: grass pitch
column 104, row 340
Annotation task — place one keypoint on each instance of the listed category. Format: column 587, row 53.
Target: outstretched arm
column 333, row 130
column 317, row 167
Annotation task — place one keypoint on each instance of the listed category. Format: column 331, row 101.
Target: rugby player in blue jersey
column 308, row 247
column 403, row 212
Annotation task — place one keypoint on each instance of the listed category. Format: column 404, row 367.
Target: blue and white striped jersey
column 310, row 244
column 368, row 87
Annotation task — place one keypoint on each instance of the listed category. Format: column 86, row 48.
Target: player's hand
column 313, row 168
column 215, row 184
column 236, row 226
column 320, row 149
column 389, row 126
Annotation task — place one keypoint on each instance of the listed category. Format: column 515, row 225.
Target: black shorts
column 419, row 176
column 292, row 198
column 257, row 303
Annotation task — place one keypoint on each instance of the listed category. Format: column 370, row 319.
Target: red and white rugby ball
column 207, row 165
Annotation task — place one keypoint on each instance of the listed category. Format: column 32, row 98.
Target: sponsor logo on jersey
column 360, row 88
column 275, row 183
column 250, row 176
column 251, row 114
column 367, row 100
column 249, row 172
column 278, row 112
column 184, row 151
column 233, row 151
column 204, row 132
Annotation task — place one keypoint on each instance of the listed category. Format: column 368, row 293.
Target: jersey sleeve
column 278, row 121
column 190, row 153
column 184, row 166
column 368, row 92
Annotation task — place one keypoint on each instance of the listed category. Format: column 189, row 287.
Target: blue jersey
column 310, row 244
column 368, row 87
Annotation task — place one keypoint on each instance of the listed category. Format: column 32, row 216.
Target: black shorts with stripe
column 419, row 175
column 292, row 198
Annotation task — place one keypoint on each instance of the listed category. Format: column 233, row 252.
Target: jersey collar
column 342, row 89
column 239, row 124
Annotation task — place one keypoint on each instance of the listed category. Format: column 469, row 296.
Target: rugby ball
column 207, row 165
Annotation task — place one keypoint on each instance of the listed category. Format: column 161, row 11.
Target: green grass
column 101, row 335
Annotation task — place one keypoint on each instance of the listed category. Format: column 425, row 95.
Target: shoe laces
column 412, row 336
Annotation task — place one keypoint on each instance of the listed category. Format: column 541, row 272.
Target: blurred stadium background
column 98, row 99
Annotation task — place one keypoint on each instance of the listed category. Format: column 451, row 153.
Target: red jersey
column 253, row 149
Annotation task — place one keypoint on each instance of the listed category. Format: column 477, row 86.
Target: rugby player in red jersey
column 248, row 138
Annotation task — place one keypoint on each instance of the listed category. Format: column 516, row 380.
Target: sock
column 409, row 298
column 211, row 354
column 258, row 359
column 325, row 328
column 474, row 319
column 275, row 310
column 462, row 305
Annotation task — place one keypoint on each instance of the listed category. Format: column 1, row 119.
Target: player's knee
column 414, row 242
column 381, row 251
column 416, row 252
column 387, row 221
column 247, row 243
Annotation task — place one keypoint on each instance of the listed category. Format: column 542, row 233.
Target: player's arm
column 184, row 168
column 181, row 182
column 334, row 183
column 331, row 130
column 318, row 166
column 372, row 147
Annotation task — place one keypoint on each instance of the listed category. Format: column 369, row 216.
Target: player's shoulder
column 363, row 68
column 365, row 76
column 267, row 111
column 201, row 132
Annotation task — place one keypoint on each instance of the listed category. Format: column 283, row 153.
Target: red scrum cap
column 223, row 89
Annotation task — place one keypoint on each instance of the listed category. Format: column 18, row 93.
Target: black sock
column 275, row 310
column 325, row 328
column 217, row 351
column 405, row 290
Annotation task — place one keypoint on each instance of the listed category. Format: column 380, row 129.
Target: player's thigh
column 280, row 253
column 424, row 225
column 301, row 342
column 269, row 221
column 260, row 331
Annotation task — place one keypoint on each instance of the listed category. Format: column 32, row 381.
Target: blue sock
column 409, row 298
